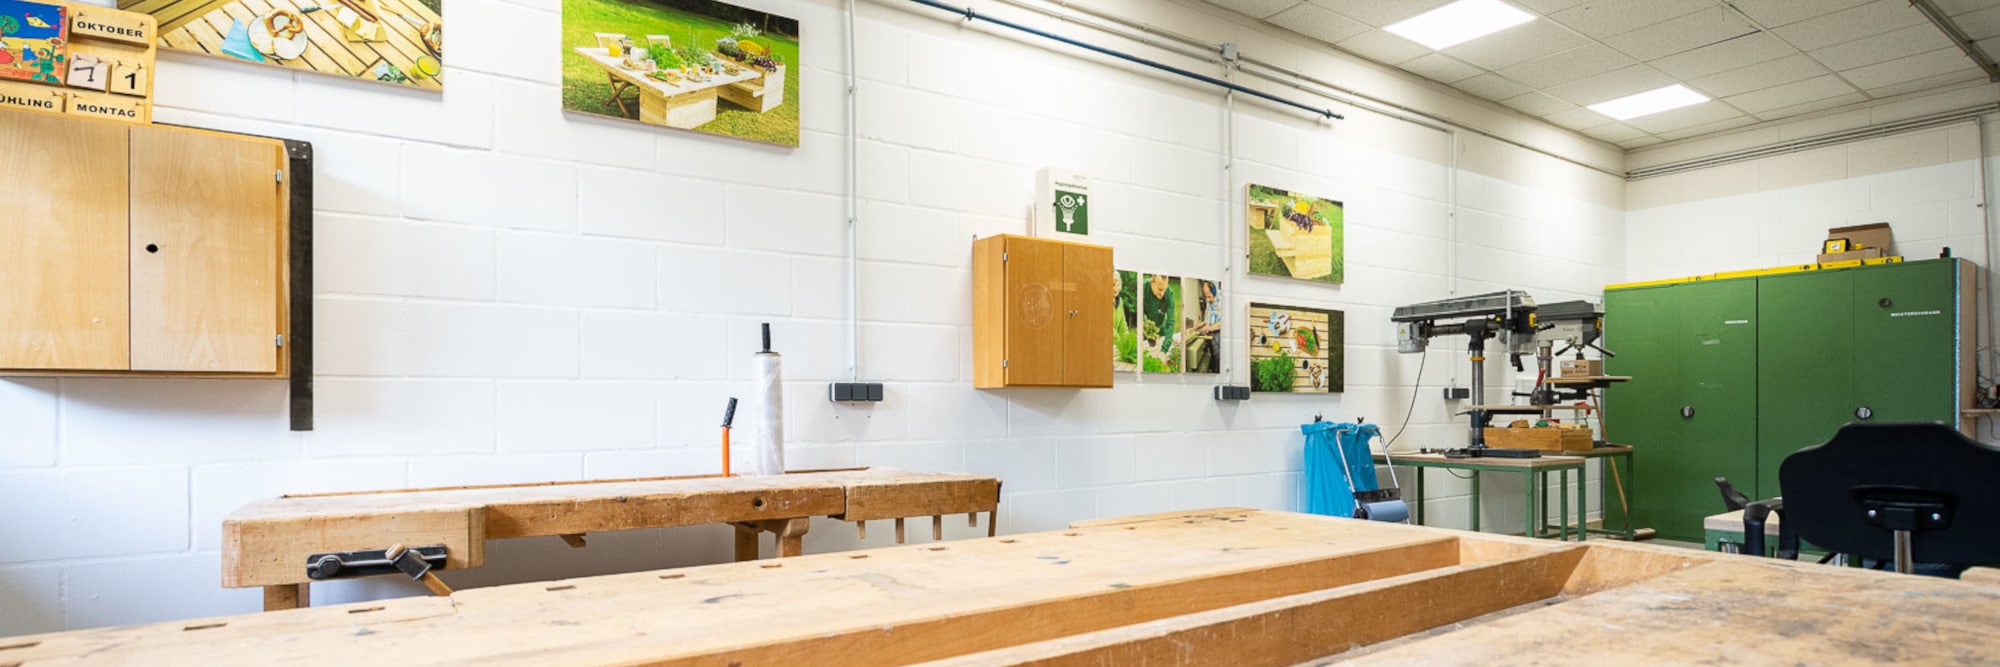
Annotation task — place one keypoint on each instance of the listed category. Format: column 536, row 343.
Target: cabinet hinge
column 1003, row 363
column 279, row 175
column 281, row 340
column 1003, row 257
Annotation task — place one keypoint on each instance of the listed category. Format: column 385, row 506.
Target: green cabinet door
column 1805, row 373
column 1642, row 328
column 1718, row 380
column 1906, row 342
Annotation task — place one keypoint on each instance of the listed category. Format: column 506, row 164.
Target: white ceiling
column 1759, row 59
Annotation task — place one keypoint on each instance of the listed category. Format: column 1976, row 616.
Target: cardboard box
column 1864, row 253
column 1581, row 368
column 1549, row 438
column 1862, row 237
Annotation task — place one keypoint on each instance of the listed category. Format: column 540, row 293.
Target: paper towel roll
column 767, row 449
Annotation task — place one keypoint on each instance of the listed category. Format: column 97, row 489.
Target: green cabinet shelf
column 1731, row 376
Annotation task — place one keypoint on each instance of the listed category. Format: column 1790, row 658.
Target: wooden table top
column 1211, row 587
column 616, row 66
column 1546, row 460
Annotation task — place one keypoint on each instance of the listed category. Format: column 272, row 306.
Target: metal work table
column 1534, row 474
column 1621, row 483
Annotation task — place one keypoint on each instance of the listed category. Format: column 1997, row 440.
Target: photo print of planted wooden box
column 1295, row 235
column 698, row 65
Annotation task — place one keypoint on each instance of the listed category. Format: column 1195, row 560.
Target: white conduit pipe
column 853, row 210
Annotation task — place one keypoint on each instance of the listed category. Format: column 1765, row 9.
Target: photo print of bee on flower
column 1295, row 235
column 1297, row 350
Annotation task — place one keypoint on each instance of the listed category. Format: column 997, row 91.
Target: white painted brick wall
column 509, row 293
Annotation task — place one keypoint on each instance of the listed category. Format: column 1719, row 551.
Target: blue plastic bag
column 1338, row 464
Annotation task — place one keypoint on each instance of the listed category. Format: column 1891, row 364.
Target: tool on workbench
column 1340, row 473
column 728, row 418
column 1508, row 315
column 415, row 562
column 768, row 446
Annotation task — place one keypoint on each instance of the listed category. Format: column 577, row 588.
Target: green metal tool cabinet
column 1730, row 376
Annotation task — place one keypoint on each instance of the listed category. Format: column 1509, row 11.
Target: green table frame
column 1534, row 474
column 1610, row 454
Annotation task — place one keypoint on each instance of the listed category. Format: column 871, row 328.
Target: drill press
column 1508, row 315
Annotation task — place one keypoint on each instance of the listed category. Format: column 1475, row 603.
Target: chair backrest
column 1849, row 494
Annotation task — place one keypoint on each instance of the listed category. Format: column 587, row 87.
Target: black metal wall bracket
column 300, row 257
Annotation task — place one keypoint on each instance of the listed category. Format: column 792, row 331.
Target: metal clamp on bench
column 416, row 563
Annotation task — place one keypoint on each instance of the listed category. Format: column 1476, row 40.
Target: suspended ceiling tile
column 1701, row 28
column 1850, row 24
column 1317, row 22
column 1614, row 132
column 1256, row 8
column 1378, row 13
column 1491, row 86
column 1774, row 13
column 1982, row 24
column 1604, row 18
column 1610, row 85
column 1761, row 75
column 1708, row 128
column 1440, row 67
column 1536, row 104
column 1684, row 117
column 1813, row 106
column 1567, row 66
column 1547, row 7
column 1578, row 118
column 1927, row 83
column 1791, row 94
column 1383, row 46
column 1516, row 45
column 1935, row 63
column 1956, row 7
column 1724, row 56
column 1882, row 48
column 1641, row 142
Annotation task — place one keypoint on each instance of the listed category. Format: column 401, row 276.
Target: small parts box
column 1581, row 368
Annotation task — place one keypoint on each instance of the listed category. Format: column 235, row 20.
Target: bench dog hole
column 364, row 610
column 11, row 647
column 204, row 626
column 672, row 576
column 561, row 588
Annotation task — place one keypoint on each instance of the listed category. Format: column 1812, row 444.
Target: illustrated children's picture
column 1297, row 350
column 34, row 41
column 1125, row 321
column 1160, row 343
column 1202, row 325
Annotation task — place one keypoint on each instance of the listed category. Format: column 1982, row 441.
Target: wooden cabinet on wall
column 1041, row 313
column 141, row 250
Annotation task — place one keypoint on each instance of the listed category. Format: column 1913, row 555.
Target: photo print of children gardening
column 1295, row 235
column 1297, row 350
column 1125, row 321
column 697, row 65
column 1160, row 322
column 1202, row 325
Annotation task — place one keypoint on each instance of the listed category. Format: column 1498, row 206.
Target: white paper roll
column 767, row 449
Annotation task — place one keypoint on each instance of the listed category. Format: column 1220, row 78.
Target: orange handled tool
column 728, row 417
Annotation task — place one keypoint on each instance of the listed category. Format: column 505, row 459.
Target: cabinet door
column 1905, row 360
column 63, row 279
column 1805, row 379
column 1642, row 326
column 1087, row 300
column 1719, row 383
column 1035, row 313
column 205, row 247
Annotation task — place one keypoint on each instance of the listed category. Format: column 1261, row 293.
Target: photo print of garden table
column 1295, row 235
column 398, row 42
column 1297, row 350
column 698, row 65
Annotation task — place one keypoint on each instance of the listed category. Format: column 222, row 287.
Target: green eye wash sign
column 1062, row 202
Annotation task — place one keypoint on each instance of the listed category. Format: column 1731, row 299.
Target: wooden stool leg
column 746, row 542
column 289, row 596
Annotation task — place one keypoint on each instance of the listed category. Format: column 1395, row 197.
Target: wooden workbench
column 268, row 543
column 1217, row 587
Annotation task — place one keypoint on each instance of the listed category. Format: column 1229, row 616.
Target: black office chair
column 1895, row 493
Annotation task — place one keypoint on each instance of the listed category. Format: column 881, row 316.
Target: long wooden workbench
column 269, row 543
column 1217, row 587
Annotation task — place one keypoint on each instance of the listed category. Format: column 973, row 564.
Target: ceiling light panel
column 1649, row 102
column 1459, row 22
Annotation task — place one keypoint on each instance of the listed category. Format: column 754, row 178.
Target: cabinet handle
column 1687, row 412
column 1864, row 413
